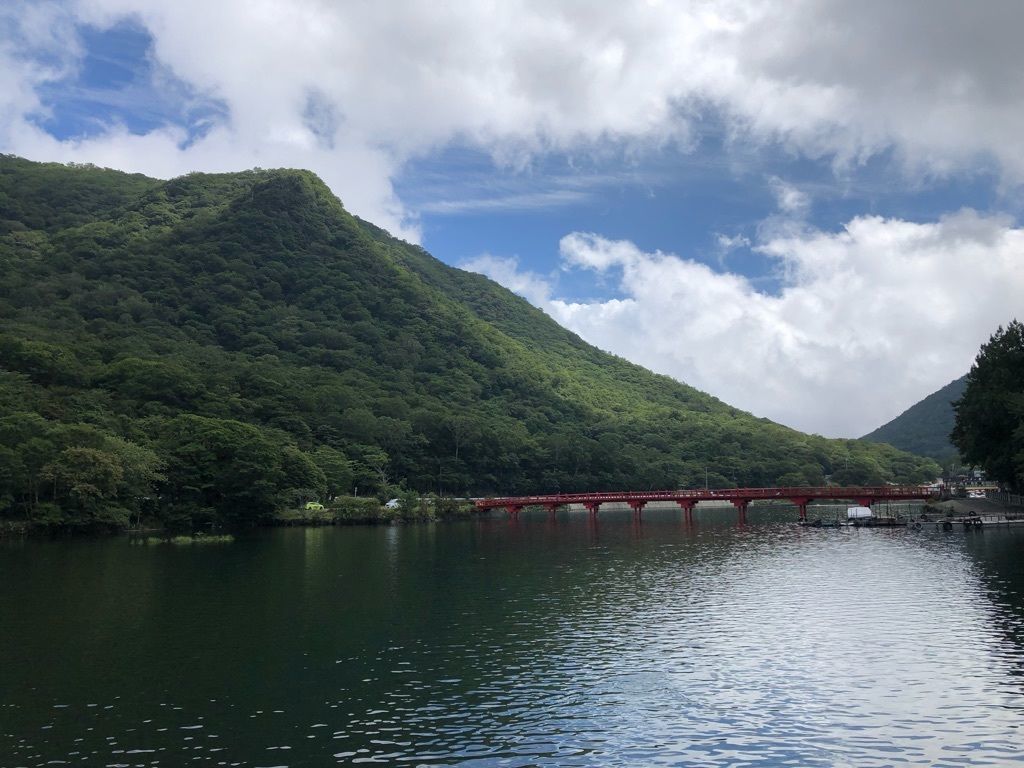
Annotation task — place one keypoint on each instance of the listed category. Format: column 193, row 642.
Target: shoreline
column 20, row 529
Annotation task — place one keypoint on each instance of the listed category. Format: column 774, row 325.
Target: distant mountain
column 217, row 345
column 924, row 428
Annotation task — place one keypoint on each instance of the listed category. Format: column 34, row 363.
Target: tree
column 28, row 440
column 227, row 467
column 140, row 472
column 989, row 424
column 85, row 482
column 336, row 469
column 302, row 475
column 373, row 467
column 462, row 429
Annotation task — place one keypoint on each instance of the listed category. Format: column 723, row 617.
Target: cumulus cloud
column 506, row 270
column 353, row 90
column 870, row 319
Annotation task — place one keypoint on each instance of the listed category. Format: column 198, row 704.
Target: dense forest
column 215, row 347
column 924, row 427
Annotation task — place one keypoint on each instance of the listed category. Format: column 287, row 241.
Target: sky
column 808, row 208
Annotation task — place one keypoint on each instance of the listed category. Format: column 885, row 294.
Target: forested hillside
column 924, row 428
column 217, row 346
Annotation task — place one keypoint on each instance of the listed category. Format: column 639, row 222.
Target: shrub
column 356, row 509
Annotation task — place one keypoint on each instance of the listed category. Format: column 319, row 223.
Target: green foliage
column 237, row 470
column 989, row 426
column 356, row 509
column 447, row 508
column 336, row 469
column 411, row 506
column 217, row 348
column 72, row 474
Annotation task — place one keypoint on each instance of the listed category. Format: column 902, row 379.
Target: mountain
column 215, row 346
column 924, row 427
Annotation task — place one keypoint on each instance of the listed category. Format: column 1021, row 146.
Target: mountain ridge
column 924, row 427
column 351, row 359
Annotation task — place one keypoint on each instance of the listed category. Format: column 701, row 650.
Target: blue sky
column 818, row 228
column 673, row 202
column 113, row 82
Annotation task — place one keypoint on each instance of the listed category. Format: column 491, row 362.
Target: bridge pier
column 637, row 507
column 592, row 507
column 801, row 504
column 552, row 509
column 687, row 506
column 513, row 510
column 741, row 507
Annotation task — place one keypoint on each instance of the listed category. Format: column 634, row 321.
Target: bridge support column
column 637, row 507
column 552, row 509
column 513, row 510
column 592, row 507
column 741, row 507
column 687, row 506
column 801, row 504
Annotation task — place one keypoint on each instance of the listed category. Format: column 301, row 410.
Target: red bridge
column 687, row 500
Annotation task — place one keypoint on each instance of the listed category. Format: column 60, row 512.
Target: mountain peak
column 323, row 336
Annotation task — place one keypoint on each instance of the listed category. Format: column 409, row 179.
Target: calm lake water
column 493, row 643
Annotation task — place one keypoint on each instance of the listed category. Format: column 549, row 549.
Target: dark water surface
column 517, row 643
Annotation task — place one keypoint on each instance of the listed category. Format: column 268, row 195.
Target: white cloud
column 870, row 320
column 505, row 270
column 525, row 201
column 731, row 242
column 353, row 90
column 790, row 199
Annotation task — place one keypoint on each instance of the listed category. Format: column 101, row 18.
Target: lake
column 515, row 643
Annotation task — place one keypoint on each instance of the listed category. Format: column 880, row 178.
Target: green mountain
column 924, row 427
column 216, row 346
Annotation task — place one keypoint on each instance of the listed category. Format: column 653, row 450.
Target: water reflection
column 529, row 642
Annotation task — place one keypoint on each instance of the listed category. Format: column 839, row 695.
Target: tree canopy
column 989, row 424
